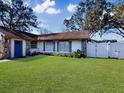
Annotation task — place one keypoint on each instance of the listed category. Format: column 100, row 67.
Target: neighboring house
column 23, row 43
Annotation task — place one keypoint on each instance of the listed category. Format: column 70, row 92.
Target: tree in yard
column 117, row 20
column 15, row 15
column 76, row 22
column 98, row 15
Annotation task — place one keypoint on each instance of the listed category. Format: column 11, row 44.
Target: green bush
column 71, row 55
column 64, row 54
column 79, row 54
column 55, row 54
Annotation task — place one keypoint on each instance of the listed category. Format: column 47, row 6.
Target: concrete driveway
column 4, row 60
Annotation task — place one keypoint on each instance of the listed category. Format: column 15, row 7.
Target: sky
column 51, row 14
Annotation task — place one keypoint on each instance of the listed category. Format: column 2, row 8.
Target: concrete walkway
column 4, row 60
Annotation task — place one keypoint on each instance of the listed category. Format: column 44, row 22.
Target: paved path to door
column 4, row 60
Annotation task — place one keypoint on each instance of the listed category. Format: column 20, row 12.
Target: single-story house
column 21, row 43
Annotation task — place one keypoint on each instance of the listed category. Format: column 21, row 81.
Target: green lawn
column 48, row 74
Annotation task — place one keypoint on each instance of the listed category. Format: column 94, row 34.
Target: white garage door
column 121, row 50
column 113, row 50
column 105, row 50
column 102, row 50
column 91, row 49
column 117, row 50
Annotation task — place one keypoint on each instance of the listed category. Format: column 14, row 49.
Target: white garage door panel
column 117, row 50
column 113, row 50
column 91, row 48
column 105, row 50
column 102, row 50
column 120, row 50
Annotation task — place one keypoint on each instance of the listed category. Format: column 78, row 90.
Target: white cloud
column 53, row 11
column 40, row 8
column 71, row 7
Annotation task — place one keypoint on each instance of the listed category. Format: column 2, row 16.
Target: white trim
column 13, row 47
column 76, row 44
column 24, row 48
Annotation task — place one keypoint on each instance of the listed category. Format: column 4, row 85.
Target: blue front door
column 18, row 49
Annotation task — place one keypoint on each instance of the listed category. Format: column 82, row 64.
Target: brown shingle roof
column 18, row 34
column 25, row 35
column 8, row 34
column 65, row 36
column 80, row 35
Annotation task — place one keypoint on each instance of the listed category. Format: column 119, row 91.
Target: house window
column 63, row 46
column 33, row 44
column 49, row 46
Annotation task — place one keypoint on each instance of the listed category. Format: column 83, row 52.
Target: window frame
column 33, row 44
column 66, row 47
column 49, row 48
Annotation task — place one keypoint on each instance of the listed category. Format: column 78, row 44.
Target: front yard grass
column 50, row 74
